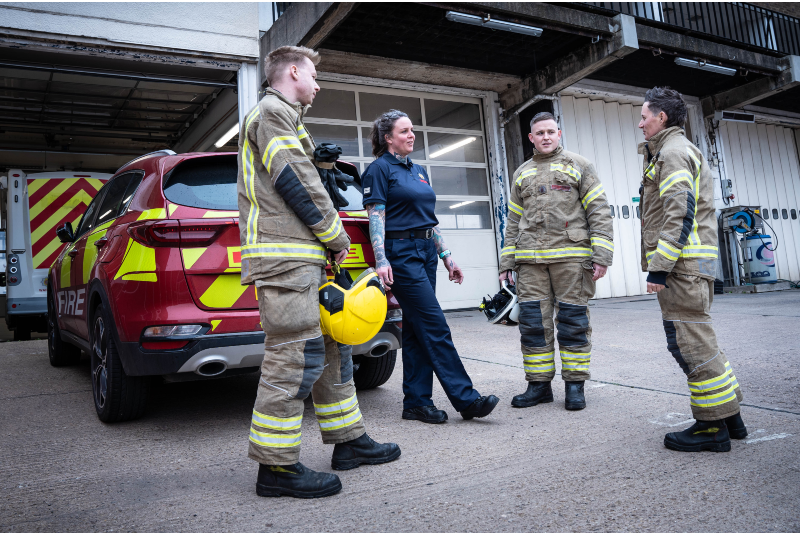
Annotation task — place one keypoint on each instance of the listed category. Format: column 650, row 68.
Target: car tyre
column 61, row 353
column 373, row 371
column 117, row 396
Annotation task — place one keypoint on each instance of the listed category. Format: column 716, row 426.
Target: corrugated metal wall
column 762, row 162
column 607, row 134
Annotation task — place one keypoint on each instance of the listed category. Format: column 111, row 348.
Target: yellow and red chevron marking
column 223, row 291
column 52, row 202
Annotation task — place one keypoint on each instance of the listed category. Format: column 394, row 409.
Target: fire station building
column 90, row 86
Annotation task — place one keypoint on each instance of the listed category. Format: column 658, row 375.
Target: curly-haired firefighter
column 559, row 239
column 288, row 225
column 679, row 254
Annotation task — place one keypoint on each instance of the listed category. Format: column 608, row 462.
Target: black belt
column 411, row 234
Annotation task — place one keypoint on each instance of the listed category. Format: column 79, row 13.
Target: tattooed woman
column 407, row 241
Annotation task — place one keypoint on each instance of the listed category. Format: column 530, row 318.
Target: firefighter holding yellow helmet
column 288, row 227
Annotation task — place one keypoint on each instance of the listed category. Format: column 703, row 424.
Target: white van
column 36, row 205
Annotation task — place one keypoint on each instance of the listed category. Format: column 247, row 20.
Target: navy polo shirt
column 404, row 189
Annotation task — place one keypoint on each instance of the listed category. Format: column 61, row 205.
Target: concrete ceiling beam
column 755, row 90
column 585, row 61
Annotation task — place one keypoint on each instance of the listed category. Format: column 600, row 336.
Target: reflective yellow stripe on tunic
column 332, row 232
column 515, row 208
column 283, row 250
column 301, row 132
column 555, row 252
column 566, row 169
column 277, row 144
column 508, row 250
column 249, row 174
column 524, row 175
column 672, row 179
column 603, row 243
column 592, row 195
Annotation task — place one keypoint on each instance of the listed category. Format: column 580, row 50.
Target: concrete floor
column 184, row 465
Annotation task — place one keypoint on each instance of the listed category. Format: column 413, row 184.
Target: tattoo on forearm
column 377, row 233
column 438, row 240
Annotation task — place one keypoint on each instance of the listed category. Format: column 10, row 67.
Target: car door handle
column 101, row 242
column 72, row 253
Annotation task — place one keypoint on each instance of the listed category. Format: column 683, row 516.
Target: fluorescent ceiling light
column 494, row 24
column 452, row 147
column 704, row 66
column 462, row 204
column 227, row 137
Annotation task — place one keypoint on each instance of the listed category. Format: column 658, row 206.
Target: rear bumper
column 211, row 355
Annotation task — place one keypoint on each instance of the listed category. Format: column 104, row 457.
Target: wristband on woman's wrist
column 444, row 254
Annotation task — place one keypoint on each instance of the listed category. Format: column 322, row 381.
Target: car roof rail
column 165, row 152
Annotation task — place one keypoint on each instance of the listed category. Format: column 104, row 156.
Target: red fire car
column 149, row 283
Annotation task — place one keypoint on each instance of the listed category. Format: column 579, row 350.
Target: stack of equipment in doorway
column 750, row 257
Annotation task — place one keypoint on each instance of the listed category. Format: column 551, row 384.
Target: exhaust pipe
column 380, row 349
column 211, row 368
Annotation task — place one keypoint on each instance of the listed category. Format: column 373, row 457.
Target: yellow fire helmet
column 352, row 315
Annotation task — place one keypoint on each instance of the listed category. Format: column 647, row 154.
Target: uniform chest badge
column 542, row 189
column 565, row 188
column 422, row 179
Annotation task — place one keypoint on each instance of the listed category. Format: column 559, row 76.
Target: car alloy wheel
column 100, row 363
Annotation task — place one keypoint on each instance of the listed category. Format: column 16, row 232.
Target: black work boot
column 574, row 400
column 736, row 427
column 711, row 436
column 538, row 392
column 480, row 407
column 295, row 480
column 426, row 413
column 362, row 451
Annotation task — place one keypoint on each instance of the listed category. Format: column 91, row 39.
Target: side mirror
column 64, row 232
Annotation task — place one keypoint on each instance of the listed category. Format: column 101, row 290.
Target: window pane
column 86, row 220
column 346, row 137
column 332, row 103
column 460, row 148
column 416, row 156
column 373, row 105
column 765, row 213
column 625, row 212
column 354, row 198
column 612, row 211
column 794, row 214
column 469, row 181
column 205, row 183
column 467, row 215
column 785, row 214
column 136, row 179
column 638, row 212
column 442, row 114
column 113, row 199
column 775, row 214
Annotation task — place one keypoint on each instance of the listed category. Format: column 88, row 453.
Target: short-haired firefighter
column 559, row 239
column 679, row 254
column 288, row 226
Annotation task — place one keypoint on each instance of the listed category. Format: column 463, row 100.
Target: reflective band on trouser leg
column 539, row 366
column 575, row 363
column 335, row 401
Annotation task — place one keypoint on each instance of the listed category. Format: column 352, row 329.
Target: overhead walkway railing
column 743, row 25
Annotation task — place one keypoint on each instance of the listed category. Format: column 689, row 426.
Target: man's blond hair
column 277, row 60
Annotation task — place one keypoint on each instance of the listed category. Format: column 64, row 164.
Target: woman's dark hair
column 669, row 101
column 383, row 126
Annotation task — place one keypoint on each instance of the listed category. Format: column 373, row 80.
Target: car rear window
column 204, row 182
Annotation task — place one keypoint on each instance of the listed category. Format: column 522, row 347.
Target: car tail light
column 172, row 332
column 184, row 233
